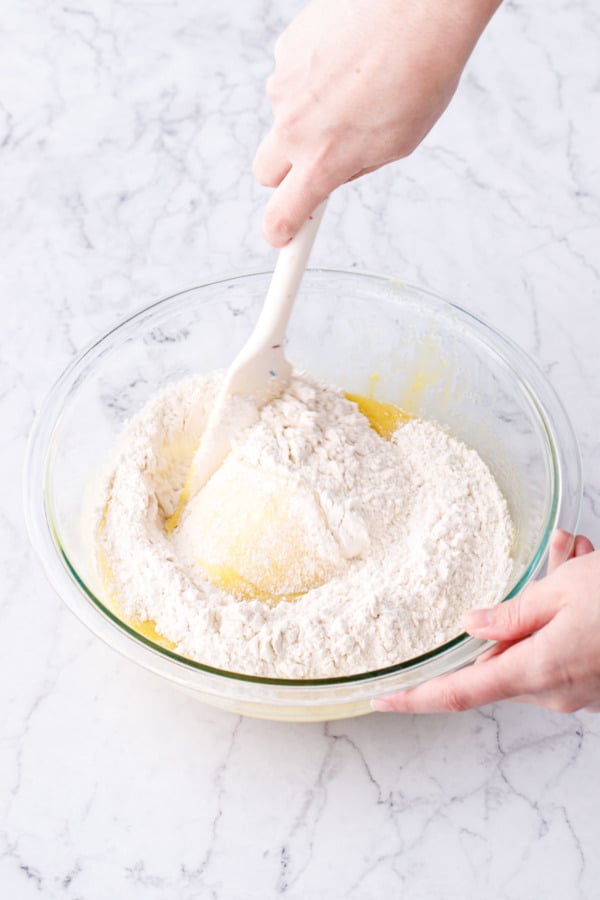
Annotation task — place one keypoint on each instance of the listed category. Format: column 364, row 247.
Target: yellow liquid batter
column 227, row 578
column 384, row 418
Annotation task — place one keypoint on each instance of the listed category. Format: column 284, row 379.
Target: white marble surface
column 127, row 130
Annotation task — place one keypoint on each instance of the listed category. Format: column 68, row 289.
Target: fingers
column 270, row 165
column 516, row 618
column 561, row 547
column 541, row 668
column 295, row 199
column 500, row 678
column 562, row 700
column 362, row 172
column 583, row 546
column 496, row 650
column 535, row 606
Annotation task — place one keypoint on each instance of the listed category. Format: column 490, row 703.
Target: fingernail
column 382, row 704
column 478, row 619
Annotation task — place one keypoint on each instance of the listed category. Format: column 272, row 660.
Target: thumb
column 517, row 618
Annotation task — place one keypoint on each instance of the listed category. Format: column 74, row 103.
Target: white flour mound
column 386, row 542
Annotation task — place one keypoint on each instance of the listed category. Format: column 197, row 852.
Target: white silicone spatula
column 260, row 371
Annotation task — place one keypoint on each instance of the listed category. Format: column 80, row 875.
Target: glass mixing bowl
column 361, row 332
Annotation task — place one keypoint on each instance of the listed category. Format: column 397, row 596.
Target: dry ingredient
column 319, row 548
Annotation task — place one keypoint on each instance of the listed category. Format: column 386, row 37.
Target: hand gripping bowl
column 360, row 332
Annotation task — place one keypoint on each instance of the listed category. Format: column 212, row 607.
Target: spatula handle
column 287, row 276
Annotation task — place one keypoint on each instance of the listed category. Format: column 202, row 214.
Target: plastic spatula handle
column 260, row 371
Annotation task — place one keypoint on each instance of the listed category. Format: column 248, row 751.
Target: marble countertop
column 127, row 130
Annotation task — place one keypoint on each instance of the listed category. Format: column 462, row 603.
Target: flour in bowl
column 318, row 549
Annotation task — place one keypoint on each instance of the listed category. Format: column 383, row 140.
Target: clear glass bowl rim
column 44, row 535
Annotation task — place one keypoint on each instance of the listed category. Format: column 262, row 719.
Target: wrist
column 461, row 23
column 474, row 15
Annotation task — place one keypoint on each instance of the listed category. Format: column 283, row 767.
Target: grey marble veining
column 127, row 130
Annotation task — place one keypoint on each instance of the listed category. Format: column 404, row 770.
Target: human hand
column 357, row 84
column 548, row 650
